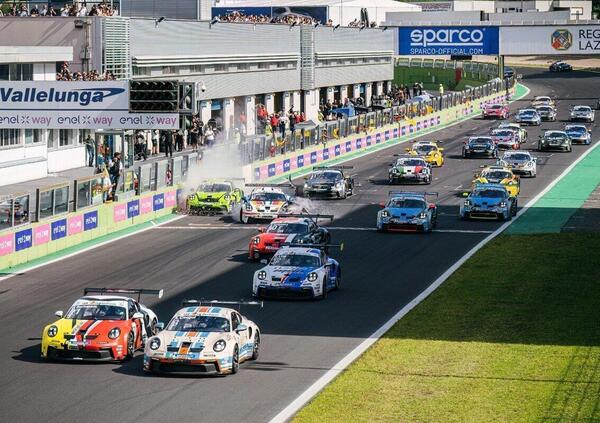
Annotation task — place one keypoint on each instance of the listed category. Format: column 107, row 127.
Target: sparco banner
column 74, row 105
column 446, row 40
column 550, row 40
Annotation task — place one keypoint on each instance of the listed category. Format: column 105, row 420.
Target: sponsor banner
column 7, row 244
column 396, row 133
column 286, row 165
column 337, row 150
column 264, row 171
column 23, row 239
column 75, row 224
column 70, row 119
column 313, row 157
column 448, row 40
column 378, row 138
column 319, row 155
column 326, row 153
column 300, row 161
column 404, row 129
column 170, row 199
column 41, row 234
column 133, row 208
column 387, row 135
column 158, row 202
column 271, row 170
column 358, row 143
column 279, row 168
column 59, row 229
column 120, row 212
column 348, row 146
column 368, row 140
column 90, row 220
column 146, row 205
column 550, row 40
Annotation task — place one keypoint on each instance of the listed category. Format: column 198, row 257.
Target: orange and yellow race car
column 498, row 175
column 429, row 150
column 101, row 327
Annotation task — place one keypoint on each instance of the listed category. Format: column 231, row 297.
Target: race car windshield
column 518, row 157
column 497, row 174
column 582, row 108
column 424, row 149
column 287, row 228
column 199, row 324
column 97, row 312
column 495, row 107
column 477, row 141
column 527, row 113
column 578, row 130
column 407, row 203
column 331, row 176
column 268, row 196
column 545, row 109
column 410, row 162
column 214, row 188
column 296, row 260
column 504, row 133
column 489, row 193
column 556, row 135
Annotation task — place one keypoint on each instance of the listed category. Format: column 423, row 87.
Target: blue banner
column 300, row 161
column 336, row 150
column 133, row 208
column 326, row 153
column 271, row 170
column 448, row 40
column 23, row 239
column 158, row 202
column 90, row 220
column 348, row 146
column 313, row 157
column 286, row 165
column 59, row 229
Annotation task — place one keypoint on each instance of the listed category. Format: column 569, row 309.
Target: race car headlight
column 191, row 196
column 467, row 202
column 219, row 345
column 385, row 213
column 114, row 333
column 248, row 207
column 256, row 240
column 226, row 197
column 511, row 183
column 154, row 344
column 306, row 185
column 52, row 331
column 262, row 275
column 422, row 215
column 312, row 276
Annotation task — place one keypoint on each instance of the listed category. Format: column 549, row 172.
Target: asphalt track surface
column 301, row 340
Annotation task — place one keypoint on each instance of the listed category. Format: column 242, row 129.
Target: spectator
column 155, row 139
column 167, row 139
column 193, row 135
column 83, row 11
column 115, row 171
column 34, row 11
column 179, row 141
column 209, row 135
column 90, row 149
column 140, row 147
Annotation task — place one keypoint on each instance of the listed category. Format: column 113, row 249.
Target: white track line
column 289, row 411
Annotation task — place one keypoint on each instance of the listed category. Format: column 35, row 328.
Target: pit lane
column 301, row 340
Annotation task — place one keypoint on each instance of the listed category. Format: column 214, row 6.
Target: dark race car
column 480, row 147
column 560, row 66
column 328, row 182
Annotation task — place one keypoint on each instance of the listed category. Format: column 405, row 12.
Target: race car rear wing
column 313, row 217
column 281, row 185
column 201, row 302
column 420, row 193
column 332, row 167
column 127, row 291
column 318, row 246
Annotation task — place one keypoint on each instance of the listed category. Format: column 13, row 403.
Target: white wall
column 66, row 158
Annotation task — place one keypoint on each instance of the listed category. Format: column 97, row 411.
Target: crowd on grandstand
column 65, row 74
column 75, row 9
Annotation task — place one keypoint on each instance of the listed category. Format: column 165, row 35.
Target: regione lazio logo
column 561, row 39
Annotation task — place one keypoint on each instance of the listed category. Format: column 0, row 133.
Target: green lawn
column 512, row 336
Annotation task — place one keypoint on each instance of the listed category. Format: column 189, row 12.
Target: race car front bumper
column 508, row 145
column 493, row 213
column 322, row 192
column 413, row 177
column 479, row 152
column 88, row 353
column 284, row 292
column 397, row 225
column 260, row 215
column 183, row 366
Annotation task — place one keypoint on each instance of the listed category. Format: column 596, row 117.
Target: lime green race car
column 214, row 197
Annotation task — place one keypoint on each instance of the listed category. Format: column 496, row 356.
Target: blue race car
column 489, row 201
column 579, row 134
column 298, row 271
column 407, row 211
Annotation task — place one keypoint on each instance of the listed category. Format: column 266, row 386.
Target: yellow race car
column 498, row 175
column 429, row 150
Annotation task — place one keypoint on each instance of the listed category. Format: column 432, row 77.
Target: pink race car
column 499, row 111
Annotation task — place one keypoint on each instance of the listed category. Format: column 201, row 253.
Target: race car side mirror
column 160, row 326
column 432, row 206
column 382, row 205
column 440, row 149
column 137, row 315
column 241, row 328
column 264, row 261
column 58, row 313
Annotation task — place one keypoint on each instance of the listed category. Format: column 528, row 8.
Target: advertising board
column 550, row 40
column 448, row 40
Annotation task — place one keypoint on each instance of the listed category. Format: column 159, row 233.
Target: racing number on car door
column 236, row 319
column 136, row 325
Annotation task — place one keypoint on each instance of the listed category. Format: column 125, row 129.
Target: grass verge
column 512, row 336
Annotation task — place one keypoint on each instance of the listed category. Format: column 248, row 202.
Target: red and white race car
column 506, row 138
column 296, row 228
column 498, row 111
column 265, row 202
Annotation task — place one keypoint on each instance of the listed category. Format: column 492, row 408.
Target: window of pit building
column 16, row 72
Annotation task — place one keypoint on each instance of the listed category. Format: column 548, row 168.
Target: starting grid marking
column 209, row 226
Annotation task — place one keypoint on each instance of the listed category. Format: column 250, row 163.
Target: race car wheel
column 344, row 194
column 255, row 346
column 244, row 219
column 130, row 346
column 338, row 279
column 235, row 360
column 428, row 180
column 323, row 288
column 514, row 208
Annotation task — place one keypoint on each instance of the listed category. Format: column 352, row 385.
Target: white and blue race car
column 489, row 201
column 579, row 134
column 298, row 271
column 407, row 211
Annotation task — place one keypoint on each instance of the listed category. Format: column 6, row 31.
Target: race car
column 579, row 134
column 429, row 150
column 289, row 228
column 506, row 139
column 520, row 162
column 521, row 132
column 498, row 175
column 407, row 211
column 409, row 168
column 547, row 113
column 489, row 201
column 107, row 326
column 555, row 140
column 214, row 196
column 542, row 100
column 298, row 271
column 528, row 117
column 582, row 113
column 498, row 111
column 327, row 181
column 479, row 146
column 265, row 202
column 204, row 338
column 560, row 66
